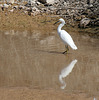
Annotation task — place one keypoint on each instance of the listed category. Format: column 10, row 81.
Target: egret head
column 60, row 20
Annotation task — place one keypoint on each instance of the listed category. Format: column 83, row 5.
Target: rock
column 34, row 9
column 38, row 3
column 47, row 1
column 1, row 5
column 21, row 7
column 15, row 7
column 25, row 12
column 52, row 9
column 5, row 6
column 95, row 22
column 12, row 10
column 31, row 2
column 84, row 22
column 11, row 1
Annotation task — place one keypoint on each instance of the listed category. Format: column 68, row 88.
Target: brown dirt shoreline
column 20, row 21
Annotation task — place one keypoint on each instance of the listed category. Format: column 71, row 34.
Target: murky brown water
column 35, row 60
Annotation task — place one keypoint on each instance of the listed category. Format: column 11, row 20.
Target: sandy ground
column 35, row 94
column 20, row 21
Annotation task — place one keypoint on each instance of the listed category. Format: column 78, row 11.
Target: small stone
column 84, row 22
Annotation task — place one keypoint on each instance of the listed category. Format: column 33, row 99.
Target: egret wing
column 67, row 39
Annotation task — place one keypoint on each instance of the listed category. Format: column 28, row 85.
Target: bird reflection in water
column 65, row 72
column 94, row 99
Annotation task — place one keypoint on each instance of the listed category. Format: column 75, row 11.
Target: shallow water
column 35, row 60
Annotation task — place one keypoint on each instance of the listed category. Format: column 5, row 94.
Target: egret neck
column 60, row 26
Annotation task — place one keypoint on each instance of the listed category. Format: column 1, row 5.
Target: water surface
column 35, row 60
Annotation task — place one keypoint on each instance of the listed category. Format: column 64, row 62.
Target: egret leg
column 67, row 49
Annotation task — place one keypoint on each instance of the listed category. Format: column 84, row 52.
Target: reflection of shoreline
column 65, row 72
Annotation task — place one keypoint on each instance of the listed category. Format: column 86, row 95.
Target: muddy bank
column 34, row 94
column 91, row 31
column 70, row 10
column 20, row 21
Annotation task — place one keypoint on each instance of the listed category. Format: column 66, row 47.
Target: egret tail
column 74, row 47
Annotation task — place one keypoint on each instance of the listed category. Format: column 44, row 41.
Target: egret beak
column 56, row 22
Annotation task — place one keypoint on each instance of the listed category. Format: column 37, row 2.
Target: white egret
column 65, row 37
